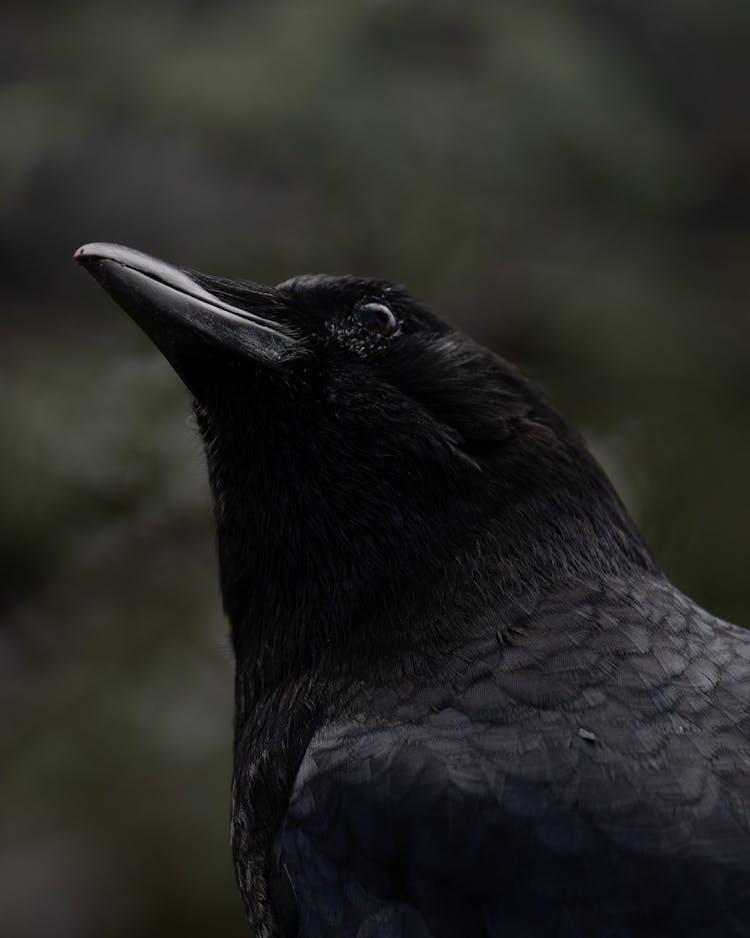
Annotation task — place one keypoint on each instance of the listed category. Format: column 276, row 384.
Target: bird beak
column 181, row 315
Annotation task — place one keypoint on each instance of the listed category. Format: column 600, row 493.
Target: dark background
column 568, row 181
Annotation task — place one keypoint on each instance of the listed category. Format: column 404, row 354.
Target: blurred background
column 569, row 181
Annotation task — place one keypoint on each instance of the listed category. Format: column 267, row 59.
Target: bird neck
column 356, row 555
column 304, row 578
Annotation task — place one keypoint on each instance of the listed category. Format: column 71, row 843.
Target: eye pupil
column 377, row 317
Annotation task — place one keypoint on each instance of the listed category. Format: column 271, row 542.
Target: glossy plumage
column 587, row 775
column 468, row 703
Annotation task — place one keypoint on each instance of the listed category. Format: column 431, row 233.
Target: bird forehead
column 335, row 287
column 305, row 282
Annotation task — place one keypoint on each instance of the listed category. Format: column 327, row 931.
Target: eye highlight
column 376, row 317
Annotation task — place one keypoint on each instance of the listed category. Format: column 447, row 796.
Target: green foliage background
column 569, row 181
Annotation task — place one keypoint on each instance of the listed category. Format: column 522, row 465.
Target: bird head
column 360, row 448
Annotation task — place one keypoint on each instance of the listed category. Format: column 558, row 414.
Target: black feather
column 468, row 701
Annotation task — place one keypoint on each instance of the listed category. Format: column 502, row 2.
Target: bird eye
column 376, row 317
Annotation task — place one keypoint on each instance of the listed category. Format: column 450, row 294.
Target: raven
column 468, row 702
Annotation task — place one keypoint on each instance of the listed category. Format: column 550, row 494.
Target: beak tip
column 86, row 254
column 102, row 251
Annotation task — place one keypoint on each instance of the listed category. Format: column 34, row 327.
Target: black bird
column 468, row 702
